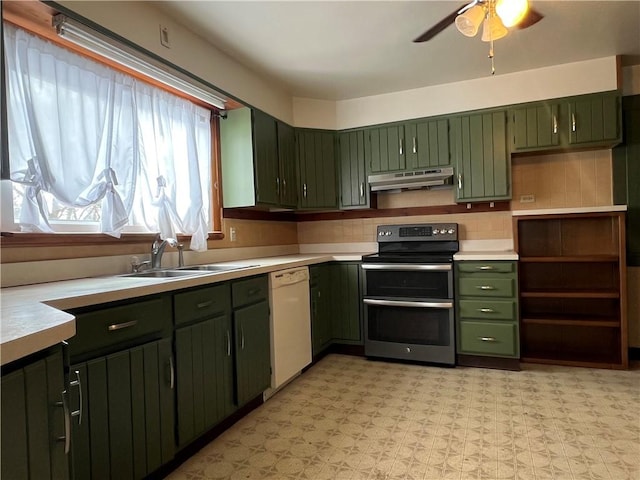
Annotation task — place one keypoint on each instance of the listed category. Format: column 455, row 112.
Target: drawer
column 487, row 309
column 202, row 303
column 486, row 267
column 489, row 287
column 99, row 330
column 488, row 338
column 252, row 290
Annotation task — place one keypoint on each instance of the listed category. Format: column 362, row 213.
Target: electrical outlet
column 165, row 41
column 232, row 234
column 531, row 198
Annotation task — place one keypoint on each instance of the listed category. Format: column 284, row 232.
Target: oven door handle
column 402, row 266
column 397, row 303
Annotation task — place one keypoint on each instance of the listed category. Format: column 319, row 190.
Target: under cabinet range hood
column 411, row 180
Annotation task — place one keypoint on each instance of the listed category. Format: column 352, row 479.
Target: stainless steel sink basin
column 214, row 268
column 161, row 274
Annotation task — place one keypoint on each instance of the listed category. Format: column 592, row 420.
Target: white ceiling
column 336, row 50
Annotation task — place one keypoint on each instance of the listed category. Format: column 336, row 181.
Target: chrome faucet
column 157, row 249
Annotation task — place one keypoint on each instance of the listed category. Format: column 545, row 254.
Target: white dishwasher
column 290, row 324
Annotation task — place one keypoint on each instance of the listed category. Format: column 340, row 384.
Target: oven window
column 417, row 326
column 408, row 284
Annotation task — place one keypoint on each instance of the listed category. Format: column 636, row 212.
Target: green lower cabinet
column 487, row 312
column 252, row 351
column 486, row 338
column 126, row 426
column 32, row 439
column 204, row 373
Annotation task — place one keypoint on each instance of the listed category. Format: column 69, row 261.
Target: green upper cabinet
column 354, row 189
column 479, row 148
column 427, row 144
column 258, row 160
column 594, row 119
column 286, row 182
column 535, row 127
column 577, row 122
column 408, row 146
column 385, row 149
column 316, row 157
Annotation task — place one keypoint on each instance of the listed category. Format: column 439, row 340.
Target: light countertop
column 34, row 317
column 486, row 255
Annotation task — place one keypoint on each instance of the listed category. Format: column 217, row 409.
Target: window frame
column 36, row 17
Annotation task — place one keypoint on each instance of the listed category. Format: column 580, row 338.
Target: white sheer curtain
column 87, row 134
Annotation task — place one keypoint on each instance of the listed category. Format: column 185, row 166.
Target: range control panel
column 424, row 232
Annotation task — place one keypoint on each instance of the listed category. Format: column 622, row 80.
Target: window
column 94, row 149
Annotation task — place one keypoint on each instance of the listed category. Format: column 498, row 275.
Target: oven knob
column 380, row 234
column 408, row 350
column 451, row 231
column 388, row 233
column 436, row 231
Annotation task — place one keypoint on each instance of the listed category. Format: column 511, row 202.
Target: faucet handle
column 137, row 266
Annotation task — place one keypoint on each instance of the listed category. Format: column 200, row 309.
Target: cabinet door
column 287, row 187
column 252, row 351
column 594, row 119
column 33, row 420
column 126, row 428
column 204, row 374
column 481, row 159
column 345, row 302
column 427, row 144
column 320, row 308
column 354, row 190
column 317, row 169
column 535, row 127
column 265, row 140
column 386, row 149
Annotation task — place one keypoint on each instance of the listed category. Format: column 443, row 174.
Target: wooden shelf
column 569, row 294
column 571, row 259
column 572, row 322
column 573, row 289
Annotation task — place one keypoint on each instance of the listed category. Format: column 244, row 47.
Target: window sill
column 19, row 239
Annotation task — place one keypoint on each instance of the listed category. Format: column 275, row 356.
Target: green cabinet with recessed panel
column 316, row 160
column 354, row 188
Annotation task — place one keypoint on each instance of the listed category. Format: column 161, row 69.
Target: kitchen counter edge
column 33, row 316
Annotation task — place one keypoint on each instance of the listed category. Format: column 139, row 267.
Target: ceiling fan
column 494, row 15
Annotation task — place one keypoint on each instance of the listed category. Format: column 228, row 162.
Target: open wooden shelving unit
column 572, row 279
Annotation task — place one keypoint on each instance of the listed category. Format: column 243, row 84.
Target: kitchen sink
column 214, row 268
column 161, row 274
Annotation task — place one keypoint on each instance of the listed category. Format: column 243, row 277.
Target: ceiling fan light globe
column 511, row 12
column 493, row 29
column 468, row 23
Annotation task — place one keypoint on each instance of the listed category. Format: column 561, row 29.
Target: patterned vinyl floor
column 352, row 418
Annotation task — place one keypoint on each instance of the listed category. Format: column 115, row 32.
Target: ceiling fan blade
column 531, row 18
column 442, row 24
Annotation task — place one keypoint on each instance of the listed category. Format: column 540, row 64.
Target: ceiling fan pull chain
column 493, row 67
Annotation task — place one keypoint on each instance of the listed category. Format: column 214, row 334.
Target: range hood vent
column 411, row 180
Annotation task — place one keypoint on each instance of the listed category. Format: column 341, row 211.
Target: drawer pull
column 204, row 304
column 485, row 267
column 485, row 287
column 253, row 292
column 486, row 310
column 487, row 339
column 120, row 326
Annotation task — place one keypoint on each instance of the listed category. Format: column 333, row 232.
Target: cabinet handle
column 415, row 145
column 78, row 383
column 228, row 344
column 573, row 122
column 486, row 310
column 485, row 267
column 304, row 190
column 401, row 147
column 277, row 185
column 253, row 291
column 204, row 304
column 241, row 338
column 66, row 438
column 485, row 287
column 362, row 189
column 555, row 124
column 172, row 373
column 459, row 181
column 284, row 187
column 120, row 326
column 487, row 339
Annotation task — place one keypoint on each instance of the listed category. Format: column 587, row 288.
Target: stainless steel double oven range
column 408, row 293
